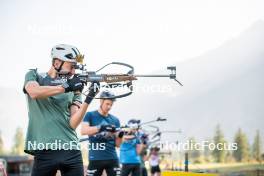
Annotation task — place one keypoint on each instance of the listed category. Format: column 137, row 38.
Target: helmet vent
column 69, row 56
column 58, row 48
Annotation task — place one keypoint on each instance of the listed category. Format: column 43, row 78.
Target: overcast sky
column 149, row 34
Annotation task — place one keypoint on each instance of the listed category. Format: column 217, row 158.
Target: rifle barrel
column 152, row 75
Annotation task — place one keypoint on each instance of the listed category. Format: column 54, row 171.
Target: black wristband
column 121, row 134
column 88, row 99
column 92, row 93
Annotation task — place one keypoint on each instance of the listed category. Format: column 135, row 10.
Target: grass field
column 236, row 169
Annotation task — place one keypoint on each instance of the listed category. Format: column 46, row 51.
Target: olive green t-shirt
column 48, row 125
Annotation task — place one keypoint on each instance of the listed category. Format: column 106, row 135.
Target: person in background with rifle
column 144, row 154
column 101, row 128
column 55, row 110
column 130, row 150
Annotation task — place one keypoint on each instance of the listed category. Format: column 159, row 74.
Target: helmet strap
column 59, row 69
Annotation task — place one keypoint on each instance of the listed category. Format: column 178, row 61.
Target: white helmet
column 66, row 53
column 133, row 123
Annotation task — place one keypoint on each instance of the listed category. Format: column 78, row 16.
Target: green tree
column 242, row 152
column 207, row 153
column 257, row 147
column 219, row 155
column 229, row 157
column 194, row 153
column 1, row 144
column 18, row 147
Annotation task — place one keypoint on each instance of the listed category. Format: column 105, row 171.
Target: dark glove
column 108, row 128
column 121, row 134
column 144, row 139
column 73, row 84
column 144, row 142
column 93, row 90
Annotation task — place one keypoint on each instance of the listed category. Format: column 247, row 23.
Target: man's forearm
column 91, row 130
column 48, row 91
column 35, row 91
column 118, row 141
column 140, row 148
column 77, row 117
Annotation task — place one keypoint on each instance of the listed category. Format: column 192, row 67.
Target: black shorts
column 47, row 162
column 133, row 169
column 155, row 169
column 143, row 171
column 96, row 168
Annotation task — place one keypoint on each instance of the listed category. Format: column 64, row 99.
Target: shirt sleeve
column 30, row 76
column 87, row 117
column 77, row 97
column 117, row 123
column 138, row 141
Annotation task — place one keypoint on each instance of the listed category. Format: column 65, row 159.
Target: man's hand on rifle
column 93, row 90
column 108, row 128
column 144, row 139
column 73, row 84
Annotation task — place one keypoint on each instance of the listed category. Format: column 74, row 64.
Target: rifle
column 144, row 134
column 117, row 80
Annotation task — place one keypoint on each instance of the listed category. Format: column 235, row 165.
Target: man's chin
column 107, row 112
